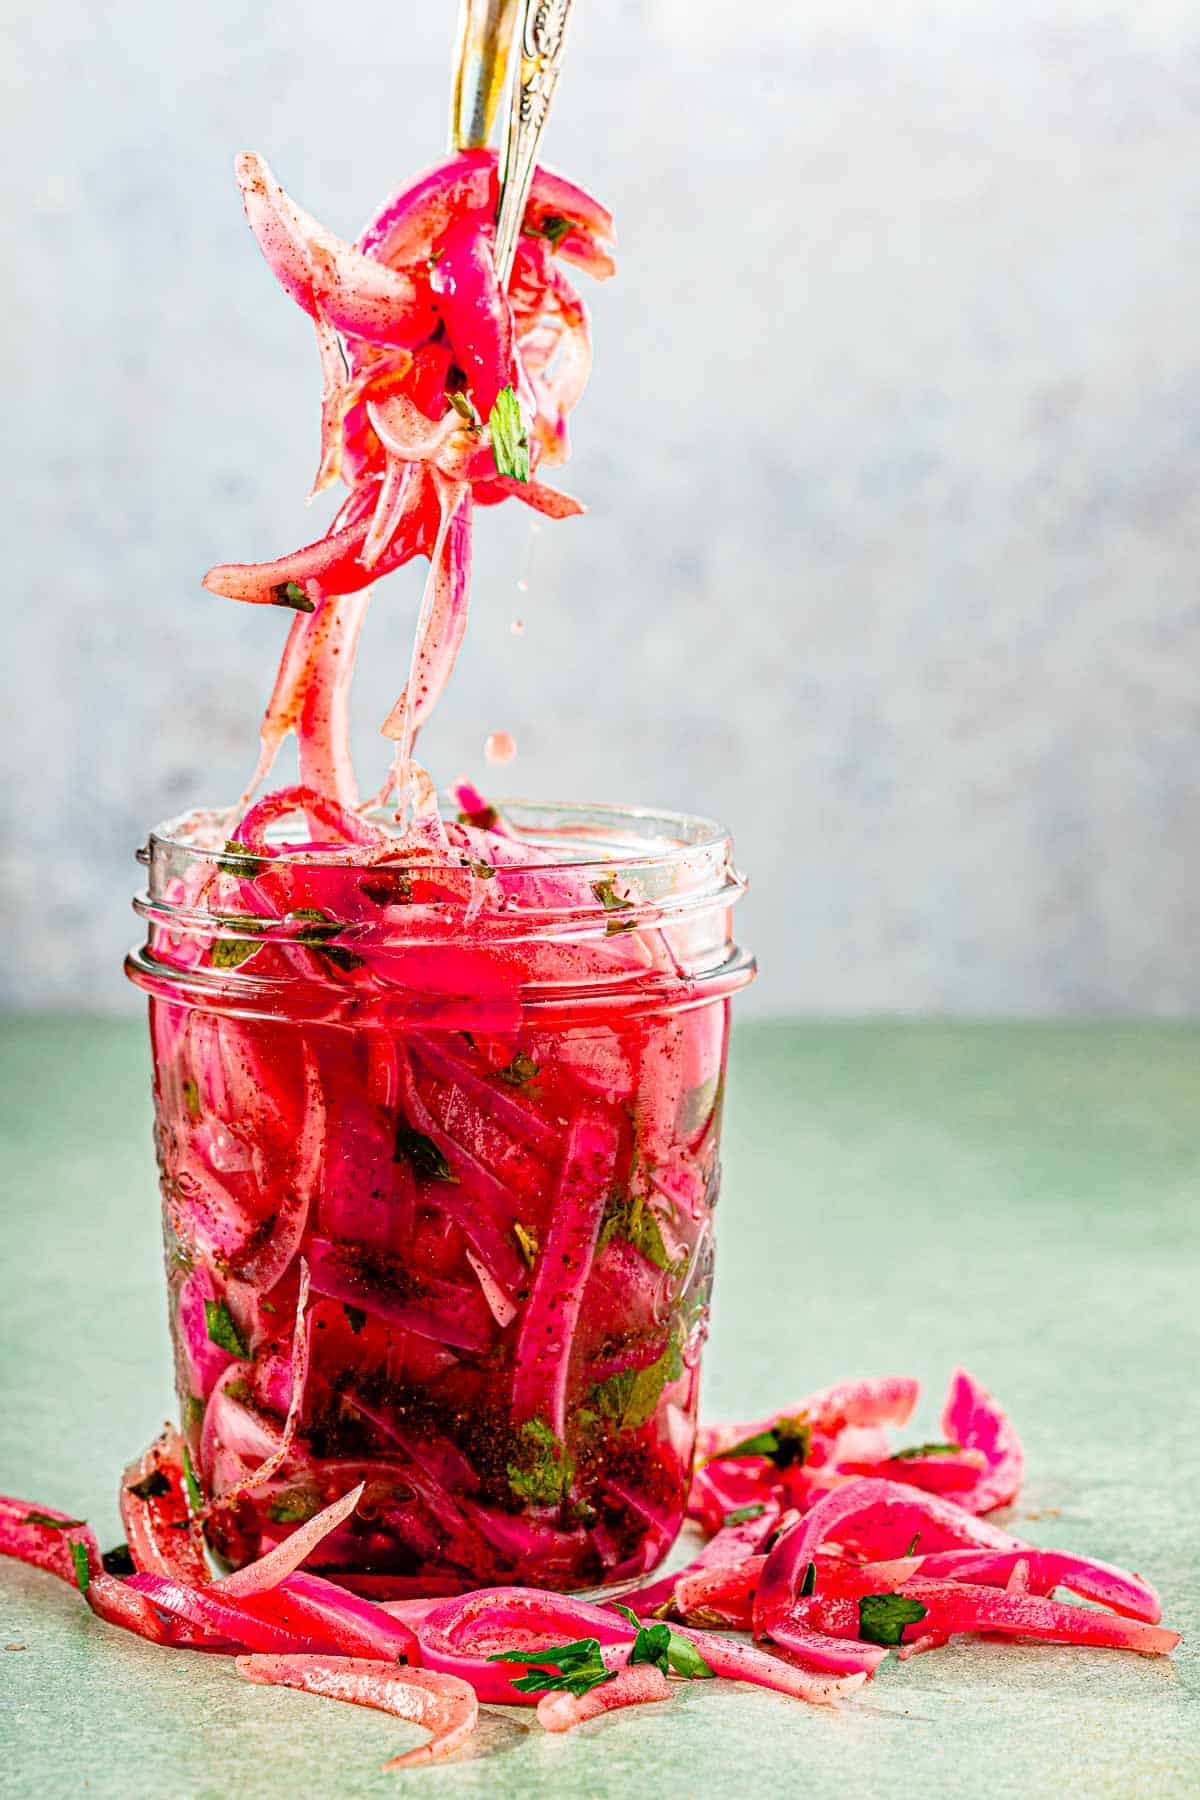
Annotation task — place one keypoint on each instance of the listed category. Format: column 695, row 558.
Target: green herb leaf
column 742, row 1514
column 465, row 408
column 387, row 887
column 552, row 226
column 193, row 1413
column 79, row 1557
column 294, row 1506
column 543, row 1469
column 151, row 1487
column 809, row 1584
column 356, row 1317
column 606, row 893
column 579, row 1665
column 521, row 1069
column 631, row 1216
column 222, row 1331
column 49, row 1524
column 701, row 1105
column 191, row 1096
column 421, row 1153
column 486, row 819
column 527, row 1242
column 510, row 440
column 483, row 871
column 631, row 1398
column 915, row 1450
column 914, row 1541
column 118, row 1561
column 238, row 861
column 290, row 593
column 666, row 1648
column 786, row 1443
column 195, row 1497
column 231, row 953
column 883, row 1617
column 321, row 931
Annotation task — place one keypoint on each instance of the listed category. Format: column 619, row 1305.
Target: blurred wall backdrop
column 891, row 455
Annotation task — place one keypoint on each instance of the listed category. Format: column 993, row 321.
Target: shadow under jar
column 438, row 1146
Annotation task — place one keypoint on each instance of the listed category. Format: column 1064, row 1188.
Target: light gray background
column 891, row 455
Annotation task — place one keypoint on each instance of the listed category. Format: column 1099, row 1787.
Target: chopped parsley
column 543, row 1469
column 294, row 1506
column 218, row 1322
column 882, row 1618
column 421, row 1153
column 195, row 1497
column 387, row 887
column 741, row 1515
column 510, row 440
column 321, row 929
column 552, row 226
column 153, row 1486
column 290, row 593
column 485, row 819
column 786, row 1443
column 914, row 1541
column 809, row 1584
column 118, row 1561
column 562, row 1668
column 526, row 1241
column 521, row 1069
column 79, row 1557
column 50, row 1524
column 356, row 1318
column 231, row 953
column 465, row 408
column 606, row 893
column 238, row 861
column 665, row 1648
column 629, row 1399
column 915, row 1450
column 483, row 871
column 630, row 1216
column 191, row 1096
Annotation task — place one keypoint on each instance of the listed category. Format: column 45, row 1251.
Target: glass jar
column 438, row 1146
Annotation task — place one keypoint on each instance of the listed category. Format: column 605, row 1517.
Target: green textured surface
column 1021, row 1198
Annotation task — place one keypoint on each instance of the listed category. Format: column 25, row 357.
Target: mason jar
column 439, row 1154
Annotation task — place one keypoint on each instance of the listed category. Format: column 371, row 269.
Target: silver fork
column 541, row 42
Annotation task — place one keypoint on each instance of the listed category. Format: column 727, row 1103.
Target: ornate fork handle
column 542, row 41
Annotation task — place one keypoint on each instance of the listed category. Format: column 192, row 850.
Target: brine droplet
column 500, row 747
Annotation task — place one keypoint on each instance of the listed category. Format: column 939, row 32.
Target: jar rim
column 670, row 836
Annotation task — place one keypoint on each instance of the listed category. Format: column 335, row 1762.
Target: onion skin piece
column 162, row 1539
column 885, row 1505
column 961, row 1606
column 635, row 1686
column 269, row 1570
column 879, row 1400
column 727, row 1549
column 972, row 1418
column 312, row 1608
column 547, row 1330
column 42, row 1546
column 445, row 1705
